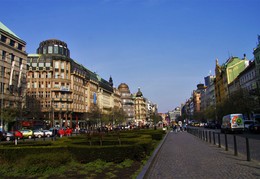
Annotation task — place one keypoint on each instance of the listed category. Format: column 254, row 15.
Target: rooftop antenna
column 229, row 54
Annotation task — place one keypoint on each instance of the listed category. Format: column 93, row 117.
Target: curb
column 149, row 163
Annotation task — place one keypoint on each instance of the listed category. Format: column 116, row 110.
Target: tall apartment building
column 140, row 108
column 151, row 111
column 60, row 89
column 197, row 97
column 208, row 96
column 127, row 102
column 13, row 70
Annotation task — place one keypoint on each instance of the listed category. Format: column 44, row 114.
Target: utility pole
column 2, row 93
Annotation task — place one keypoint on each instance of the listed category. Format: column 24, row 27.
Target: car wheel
column 39, row 136
column 48, row 135
column 29, row 137
column 8, row 139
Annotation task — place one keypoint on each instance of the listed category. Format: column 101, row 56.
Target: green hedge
column 134, row 145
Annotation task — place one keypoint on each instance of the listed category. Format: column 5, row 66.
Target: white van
column 233, row 123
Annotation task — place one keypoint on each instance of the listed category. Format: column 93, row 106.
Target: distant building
column 140, row 108
column 151, row 111
column 127, row 102
column 197, row 97
column 174, row 114
column 208, row 96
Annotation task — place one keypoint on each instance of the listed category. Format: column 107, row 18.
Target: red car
column 61, row 132
column 18, row 134
column 68, row 132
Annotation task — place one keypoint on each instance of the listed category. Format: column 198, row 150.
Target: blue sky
column 165, row 47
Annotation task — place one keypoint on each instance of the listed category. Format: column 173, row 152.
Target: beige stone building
column 13, row 70
column 140, row 108
column 127, row 102
column 60, row 89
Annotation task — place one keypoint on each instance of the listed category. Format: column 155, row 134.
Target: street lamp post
column 61, row 118
column 2, row 93
column 52, row 107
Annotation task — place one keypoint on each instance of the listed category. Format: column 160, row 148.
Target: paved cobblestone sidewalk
column 183, row 155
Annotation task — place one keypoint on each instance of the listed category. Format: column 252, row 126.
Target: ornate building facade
column 226, row 74
column 60, row 89
column 127, row 102
column 140, row 109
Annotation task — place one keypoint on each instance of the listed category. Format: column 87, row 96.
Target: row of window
column 62, row 105
column 247, row 77
column 11, row 42
column 54, row 49
column 48, row 75
column 10, row 58
column 33, row 62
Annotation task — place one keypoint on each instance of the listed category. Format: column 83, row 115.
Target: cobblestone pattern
column 185, row 156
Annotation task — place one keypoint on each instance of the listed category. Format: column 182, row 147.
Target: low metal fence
column 238, row 144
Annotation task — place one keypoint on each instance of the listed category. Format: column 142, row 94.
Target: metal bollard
column 235, row 146
column 214, row 140
column 226, row 143
column 219, row 144
column 206, row 139
column 248, row 150
column 209, row 136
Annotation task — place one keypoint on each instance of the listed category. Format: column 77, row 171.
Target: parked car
column 17, row 134
column 68, row 131
column 83, row 131
column 47, row 133
column 247, row 123
column 1, row 135
column 27, row 133
column 255, row 127
column 8, row 136
column 61, row 132
column 38, row 133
